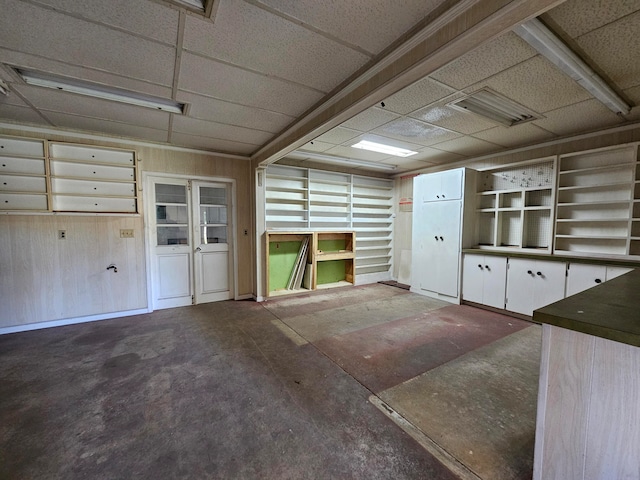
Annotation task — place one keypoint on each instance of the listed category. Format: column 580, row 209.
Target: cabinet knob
column 529, row 272
column 487, row 267
column 442, row 239
column 436, row 237
column 539, row 274
column 443, row 195
column 598, row 280
column 437, row 196
column 480, row 266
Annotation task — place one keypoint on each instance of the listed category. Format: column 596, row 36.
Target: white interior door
column 189, row 241
column 211, row 231
column 170, row 244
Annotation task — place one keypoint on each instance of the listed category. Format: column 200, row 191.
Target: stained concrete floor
column 245, row 390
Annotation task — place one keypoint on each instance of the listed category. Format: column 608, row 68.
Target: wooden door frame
column 148, row 178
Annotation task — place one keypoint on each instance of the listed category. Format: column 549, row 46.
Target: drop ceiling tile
column 146, row 18
column 316, row 146
column 418, row 95
column 104, row 127
column 415, row 131
column 16, row 113
column 215, row 79
column 615, row 48
column 577, row 17
column 344, row 20
column 443, row 116
column 338, row 135
column 46, row 33
column 212, row 144
column 369, row 119
column 202, row 128
column 34, row 62
column 536, row 84
column 519, row 135
column 212, row 109
column 468, row 146
column 251, row 37
column 581, row 117
column 493, row 57
column 55, row 101
column 433, row 155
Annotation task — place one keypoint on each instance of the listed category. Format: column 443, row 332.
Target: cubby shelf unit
column 515, row 207
column 596, row 212
column 316, row 200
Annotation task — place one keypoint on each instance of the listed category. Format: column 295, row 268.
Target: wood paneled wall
column 43, row 278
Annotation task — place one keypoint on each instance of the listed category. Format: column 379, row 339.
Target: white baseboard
column 71, row 321
column 366, row 278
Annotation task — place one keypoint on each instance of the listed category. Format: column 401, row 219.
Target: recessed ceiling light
column 89, row 89
column 382, row 148
column 495, row 107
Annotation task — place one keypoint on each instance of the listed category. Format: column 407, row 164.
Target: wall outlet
column 62, row 234
column 126, row 233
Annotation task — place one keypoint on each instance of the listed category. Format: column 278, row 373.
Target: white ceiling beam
column 465, row 25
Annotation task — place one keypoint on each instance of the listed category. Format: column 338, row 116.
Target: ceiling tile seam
column 176, row 68
column 213, row 122
column 256, row 72
column 75, row 65
column 210, row 137
column 110, row 140
column 311, row 28
column 559, row 140
column 77, row 16
column 414, row 71
column 37, row 111
column 106, row 120
column 244, row 105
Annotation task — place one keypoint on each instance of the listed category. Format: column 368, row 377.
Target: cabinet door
column 451, row 184
column 429, row 244
column 448, row 254
column 613, row 272
column 428, row 187
column 582, row 276
column 495, row 281
column 472, row 277
column 549, row 284
column 520, row 284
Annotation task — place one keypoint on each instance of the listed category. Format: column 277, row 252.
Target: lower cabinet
column 532, row 284
column 484, row 279
column 582, row 276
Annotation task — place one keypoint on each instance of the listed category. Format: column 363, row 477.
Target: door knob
column 198, row 249
column 598, row 280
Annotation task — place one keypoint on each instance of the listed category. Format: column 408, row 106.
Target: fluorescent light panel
column 89, row 89
column 382, row 148
column 536, row 34
column 491, row 105
column 349, row 162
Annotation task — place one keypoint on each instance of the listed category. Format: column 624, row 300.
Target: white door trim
column 147, row 180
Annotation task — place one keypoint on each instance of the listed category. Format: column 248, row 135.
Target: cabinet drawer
column 33, row 166
column 91, row 154
column 27, row 148
column 73, row 203
column 80, row 170
column 16, row 201
column 65, row 185
column 16, row 183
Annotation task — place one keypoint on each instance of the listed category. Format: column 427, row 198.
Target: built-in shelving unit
column 515, row 206
column 43, row 176
column 23, row 175
column 329, row 261
column 309, row 199
column 597, row 193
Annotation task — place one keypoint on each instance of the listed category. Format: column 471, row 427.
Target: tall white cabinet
column 439, row 222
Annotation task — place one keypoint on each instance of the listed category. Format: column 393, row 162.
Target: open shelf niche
column 328, row 260
column 515, row 206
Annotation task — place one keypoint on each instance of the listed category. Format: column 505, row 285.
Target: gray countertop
column 610, row 310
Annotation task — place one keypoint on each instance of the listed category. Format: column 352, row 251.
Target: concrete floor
column 273, row 391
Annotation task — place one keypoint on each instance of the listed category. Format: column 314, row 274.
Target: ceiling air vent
column 495, row 107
